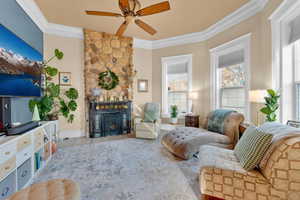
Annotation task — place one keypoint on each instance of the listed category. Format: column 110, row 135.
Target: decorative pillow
column 252, row 147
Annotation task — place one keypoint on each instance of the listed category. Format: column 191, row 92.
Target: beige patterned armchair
column 278, row 176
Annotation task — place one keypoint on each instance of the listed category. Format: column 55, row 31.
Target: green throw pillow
column 252, row 147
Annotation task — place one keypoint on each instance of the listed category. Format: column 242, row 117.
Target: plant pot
column 174, row 120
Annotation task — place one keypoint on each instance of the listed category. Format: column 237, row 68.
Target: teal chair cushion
column 151, row 112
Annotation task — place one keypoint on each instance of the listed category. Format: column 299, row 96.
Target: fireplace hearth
column 109, row 118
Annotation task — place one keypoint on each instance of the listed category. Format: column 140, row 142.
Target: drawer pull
column 7, row 167
column 7, row 153
column 5, row 192
column 25, row 142
column 24, row 174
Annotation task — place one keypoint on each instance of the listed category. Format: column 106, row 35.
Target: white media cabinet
column 23, row 156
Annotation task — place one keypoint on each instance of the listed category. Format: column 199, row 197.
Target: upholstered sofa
column 184, row 142
column 276, row 178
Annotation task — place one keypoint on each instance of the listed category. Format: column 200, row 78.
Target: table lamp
column 257, row 97
column 194, row 95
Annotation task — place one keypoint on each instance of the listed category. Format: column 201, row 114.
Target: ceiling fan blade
column 156, row 8
column 100, row 13
column 122, row 28
column 124, row 5
column 145, row 26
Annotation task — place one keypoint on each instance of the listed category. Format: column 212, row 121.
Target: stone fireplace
column 106, row 51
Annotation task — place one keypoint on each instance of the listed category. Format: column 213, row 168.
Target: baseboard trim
column 71, row 134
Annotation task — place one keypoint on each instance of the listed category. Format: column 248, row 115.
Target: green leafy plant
column 54, row 102
column 271, row 105
column 174, row 111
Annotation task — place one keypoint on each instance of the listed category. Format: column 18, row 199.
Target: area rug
column 126, row 169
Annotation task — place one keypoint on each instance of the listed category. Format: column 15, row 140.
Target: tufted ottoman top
column 57, row 189
column 184, row 142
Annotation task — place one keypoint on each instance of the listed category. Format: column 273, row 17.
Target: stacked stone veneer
column 104, row 50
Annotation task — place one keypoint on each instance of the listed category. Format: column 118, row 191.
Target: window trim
column 241, row 43
column 171, row 60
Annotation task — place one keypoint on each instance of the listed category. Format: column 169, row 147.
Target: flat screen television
column 20, row 66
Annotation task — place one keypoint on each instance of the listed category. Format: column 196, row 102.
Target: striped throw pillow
column 252, row 147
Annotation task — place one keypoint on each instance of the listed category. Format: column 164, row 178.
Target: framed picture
column 142, row 85
column 65, row 78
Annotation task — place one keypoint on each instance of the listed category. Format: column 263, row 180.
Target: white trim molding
column 248, row 10
column 241, row 43
column 173, row 60
column 281, row 53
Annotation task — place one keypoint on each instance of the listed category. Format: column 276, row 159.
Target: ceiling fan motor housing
column 133, row 6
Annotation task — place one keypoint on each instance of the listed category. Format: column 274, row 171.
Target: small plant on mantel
column 55, row 102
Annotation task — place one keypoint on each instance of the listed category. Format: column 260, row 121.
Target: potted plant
column 271, row 105
column 54, row 101
column 174, row 114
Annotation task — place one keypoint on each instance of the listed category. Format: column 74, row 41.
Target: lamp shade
column 194, row 95
column 257, row 96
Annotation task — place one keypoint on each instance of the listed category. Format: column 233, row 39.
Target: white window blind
column 234, row 58
column 295, row 30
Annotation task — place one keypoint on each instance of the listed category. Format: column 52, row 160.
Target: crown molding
column 34, row 12
column 142, row 44
column 248, row 10
column 64, row 31
column 287, row 6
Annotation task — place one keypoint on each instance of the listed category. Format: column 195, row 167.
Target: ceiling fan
column 131, row 9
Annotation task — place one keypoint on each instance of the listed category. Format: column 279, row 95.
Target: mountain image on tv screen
column 20, row 66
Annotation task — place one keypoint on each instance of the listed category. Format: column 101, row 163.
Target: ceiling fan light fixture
column 131, row 9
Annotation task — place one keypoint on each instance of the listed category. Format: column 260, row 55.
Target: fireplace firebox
column 109, row 118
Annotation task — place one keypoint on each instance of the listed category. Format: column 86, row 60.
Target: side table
column 192, row 121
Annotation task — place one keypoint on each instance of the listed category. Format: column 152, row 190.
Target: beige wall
column 72, row 62
column 142, row 62
column 261, row 56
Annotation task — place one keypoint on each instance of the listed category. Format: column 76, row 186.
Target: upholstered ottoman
column 57, row 189
column 184, row 142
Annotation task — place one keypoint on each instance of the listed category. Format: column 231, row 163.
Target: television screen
column 20, row 66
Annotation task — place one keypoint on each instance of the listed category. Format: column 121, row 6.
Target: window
column 296, row 55
column 232, row 88
column 177, row 83
column 230, row 75
column 178, row 87
column 285, row 58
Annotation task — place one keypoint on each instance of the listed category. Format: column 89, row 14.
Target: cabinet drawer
column 38, row 139
column 7, row 151
column 24, row 173
column 8, row 186
column 7, row 167
column 23, row 155
column 24, row 142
